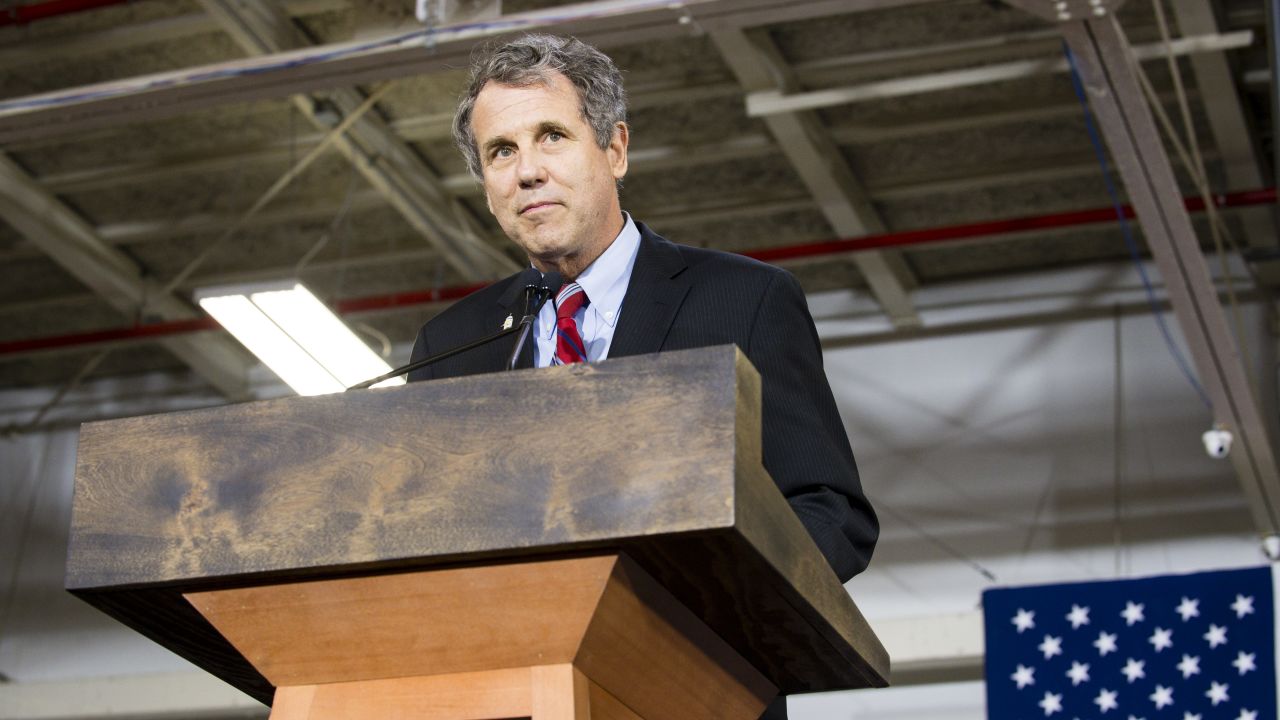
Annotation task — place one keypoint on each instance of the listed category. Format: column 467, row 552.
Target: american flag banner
column 1175, row 647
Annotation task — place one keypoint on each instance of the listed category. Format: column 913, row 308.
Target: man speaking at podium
column 543, row 126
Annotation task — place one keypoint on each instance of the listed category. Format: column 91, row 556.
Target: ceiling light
column 294, row 335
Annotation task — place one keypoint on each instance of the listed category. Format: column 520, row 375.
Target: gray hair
column 532, row 59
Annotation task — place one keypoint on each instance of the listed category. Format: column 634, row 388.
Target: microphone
column 542, row 292
column 538, row 289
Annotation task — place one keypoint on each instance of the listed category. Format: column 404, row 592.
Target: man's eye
column 554, row 136
column 502, row 152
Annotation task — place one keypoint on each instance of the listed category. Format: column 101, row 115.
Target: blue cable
column 1129, row 242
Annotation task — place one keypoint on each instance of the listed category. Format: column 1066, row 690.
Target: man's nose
column 531, row 169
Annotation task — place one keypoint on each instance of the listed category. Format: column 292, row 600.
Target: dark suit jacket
column 679, row 298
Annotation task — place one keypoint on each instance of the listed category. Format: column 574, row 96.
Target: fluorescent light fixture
column 294, row 335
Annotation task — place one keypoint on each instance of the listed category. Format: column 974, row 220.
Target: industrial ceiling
column 150, row 148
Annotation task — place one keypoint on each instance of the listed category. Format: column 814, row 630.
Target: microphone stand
column 525, row 327
column 437, row 357
column 541, row 294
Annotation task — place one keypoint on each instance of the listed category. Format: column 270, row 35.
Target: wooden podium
column 591, row 541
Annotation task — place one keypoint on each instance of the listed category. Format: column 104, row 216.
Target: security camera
column 1217, row 442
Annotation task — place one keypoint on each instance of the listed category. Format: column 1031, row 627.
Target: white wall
column 996, row 449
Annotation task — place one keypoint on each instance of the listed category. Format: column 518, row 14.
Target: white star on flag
column 1024, row 676
column 1051, row 646
column 1106, row 643
column 1106, row 700
column 1162, row 696
column 1078, row 616
column 1078, row 673
column 1161, row 639
column 1216, row 636
column 1024, row 620
column 1132, row 613
column 1243, row 606
column 1188, row 608
column 1161, row 648
column 1189, row 666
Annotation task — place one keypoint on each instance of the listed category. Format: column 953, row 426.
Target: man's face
column 551, row 187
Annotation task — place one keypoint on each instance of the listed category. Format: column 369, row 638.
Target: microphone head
column 530, row 279
column 551, row 282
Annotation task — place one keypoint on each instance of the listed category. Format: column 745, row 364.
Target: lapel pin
column 506, row 324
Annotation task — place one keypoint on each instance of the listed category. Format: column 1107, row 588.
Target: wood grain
column 293, row 703
column 559, row 692
column 462, row 472
column 599, row 617
column 417, row 471
column 461, row 696
column 429, row 622
column 604, row 706
column 554, row 692
column 650, row 652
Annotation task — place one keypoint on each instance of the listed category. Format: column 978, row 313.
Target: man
column 543, row 126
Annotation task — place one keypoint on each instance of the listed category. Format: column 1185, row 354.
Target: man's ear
column 617, row 150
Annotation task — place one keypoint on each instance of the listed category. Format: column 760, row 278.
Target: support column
column 1105, row 62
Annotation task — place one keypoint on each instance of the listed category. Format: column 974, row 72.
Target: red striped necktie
column 569, row 346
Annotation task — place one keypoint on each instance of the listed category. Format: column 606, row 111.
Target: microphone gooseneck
column 545, row 290
column 535, row 287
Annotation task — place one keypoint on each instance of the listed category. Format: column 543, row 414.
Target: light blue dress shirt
column 605, row 281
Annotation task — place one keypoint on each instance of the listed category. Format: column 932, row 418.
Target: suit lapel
column 657, row 287
column 511, row 304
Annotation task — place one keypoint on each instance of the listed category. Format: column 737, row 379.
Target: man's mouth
column 534, row 207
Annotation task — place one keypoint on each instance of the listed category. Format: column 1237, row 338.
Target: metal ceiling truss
column 605, row 23
column 1236, row 141
column 769, row 102
column 1105, row 61
column 385, row 160
column 73, row 244
column 839, row 193
column 1040, row 226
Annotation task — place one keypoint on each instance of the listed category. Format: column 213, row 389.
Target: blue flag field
column 1176, row 647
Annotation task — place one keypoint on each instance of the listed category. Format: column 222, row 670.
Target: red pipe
column 926, row 236
column 23, row 14
column 992, row 227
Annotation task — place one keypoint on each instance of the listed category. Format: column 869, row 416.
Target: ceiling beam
column 771, row 102
column 995, row 117
column 386, row 161
column 838, row 192
column 163, row 165
column 141, row 170
column 26, row 51
column 605, row 23
column 1046, row 169
column 1105, row 61
column 108, row 272
column 1238, row 147
column 1041, row 227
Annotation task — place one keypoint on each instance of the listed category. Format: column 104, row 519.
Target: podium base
column 542, row 692
column 564, row 639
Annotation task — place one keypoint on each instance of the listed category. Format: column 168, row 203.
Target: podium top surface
column 657, row 456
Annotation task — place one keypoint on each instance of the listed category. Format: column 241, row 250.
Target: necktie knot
column 569, row 345
column 569, row 300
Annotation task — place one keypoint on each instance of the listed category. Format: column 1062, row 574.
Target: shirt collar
column 605, row 280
